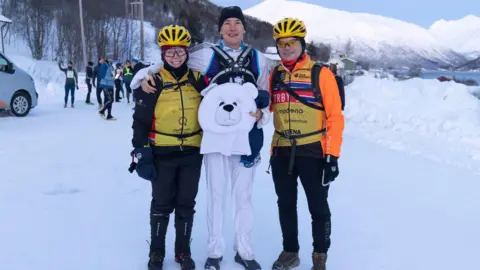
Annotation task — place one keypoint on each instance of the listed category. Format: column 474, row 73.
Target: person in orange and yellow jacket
column 308, row 123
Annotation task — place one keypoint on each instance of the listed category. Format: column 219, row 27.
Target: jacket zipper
column 183, row 114
column 289, row 105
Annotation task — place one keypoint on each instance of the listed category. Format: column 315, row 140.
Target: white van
column 17, row 89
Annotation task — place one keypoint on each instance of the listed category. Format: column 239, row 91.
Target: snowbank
column 49, row 80
column 439, row 112
column 424, row 106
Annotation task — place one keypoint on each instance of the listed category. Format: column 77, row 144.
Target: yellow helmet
column 174, row 35
column 289, row 27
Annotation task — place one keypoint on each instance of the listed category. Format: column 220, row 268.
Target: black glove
column 145, row 167
column 330, row 171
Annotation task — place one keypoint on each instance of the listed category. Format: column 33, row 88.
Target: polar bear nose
column 228, row 108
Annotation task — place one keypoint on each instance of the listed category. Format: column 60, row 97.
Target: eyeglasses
column 177, row 50
column 291, row 43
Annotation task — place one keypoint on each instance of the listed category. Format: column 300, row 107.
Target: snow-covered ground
column 438, row 120
column 406, row 197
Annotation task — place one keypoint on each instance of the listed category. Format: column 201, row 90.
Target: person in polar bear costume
column 224, row 116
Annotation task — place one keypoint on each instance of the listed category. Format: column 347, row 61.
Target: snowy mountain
column 470, row 65
column 374, row 38
column 462, row 35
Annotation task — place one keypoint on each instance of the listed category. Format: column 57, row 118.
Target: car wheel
column 21, row 104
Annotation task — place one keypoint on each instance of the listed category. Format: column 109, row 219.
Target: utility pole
column 83, row 34
column 142, row 42
column 139, row 10
column 127, row 16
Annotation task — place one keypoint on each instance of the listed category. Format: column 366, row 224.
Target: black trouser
column 108, row 93
column 89, row 84
column 99, row 94
column 310, row 171
column 175, row 188
column 118, row 89
column 129, row 90
column 70, row 89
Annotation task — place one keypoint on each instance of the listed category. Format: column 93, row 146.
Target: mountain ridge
column 375, row 38
column 463, row 34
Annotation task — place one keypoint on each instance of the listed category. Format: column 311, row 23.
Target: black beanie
column 230, row 12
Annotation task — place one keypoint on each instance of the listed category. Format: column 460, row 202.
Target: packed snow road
column 67, row 201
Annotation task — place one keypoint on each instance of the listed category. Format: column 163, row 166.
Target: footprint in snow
column 62, row 191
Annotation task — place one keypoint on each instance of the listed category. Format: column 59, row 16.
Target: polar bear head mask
column 226, row 107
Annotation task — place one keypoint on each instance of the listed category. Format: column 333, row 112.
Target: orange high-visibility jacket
column 294, row 118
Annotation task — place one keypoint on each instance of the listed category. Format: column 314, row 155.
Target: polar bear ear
column 252, row 89
column 206, row 90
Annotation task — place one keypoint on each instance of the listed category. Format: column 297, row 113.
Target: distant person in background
column 71, row 82
column 96, row 80
column 118, row 82
column 340, row 84
column 127, row 78
column 137, row 65
column 107, row 83
column 88, row 80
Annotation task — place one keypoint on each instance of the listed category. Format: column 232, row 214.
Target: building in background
column 272, row 55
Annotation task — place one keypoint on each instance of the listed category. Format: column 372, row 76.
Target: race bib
column 70, row 74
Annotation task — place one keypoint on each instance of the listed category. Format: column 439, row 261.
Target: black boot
column 183, row 255
column 158, row 232
column 156, row 260
column 247, row 264
column 213, row 263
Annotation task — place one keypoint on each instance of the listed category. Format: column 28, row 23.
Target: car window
column 3, row 64
column 3, row 61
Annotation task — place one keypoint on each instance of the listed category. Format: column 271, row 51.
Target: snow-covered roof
column 336, row 61
column 4, row 19
column 339, row 64
column 271, row 53
column 271, row 50
column 349, row 59
column 272, row 56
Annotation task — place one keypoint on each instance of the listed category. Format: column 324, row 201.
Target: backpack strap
column 242, row 58
column 225, row 57
column 179, row 136
column 157, row 78
column 191, row 77
column 276, row 79
column 232, row 66
column 190, row 80
column 273, row 79
column 316, row 68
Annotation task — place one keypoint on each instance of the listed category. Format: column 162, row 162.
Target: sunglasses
column 290, row 43
column 175, row 51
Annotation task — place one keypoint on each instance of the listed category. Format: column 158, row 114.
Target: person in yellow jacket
column 127, row 73
column 308, row 123
column 166, row 141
